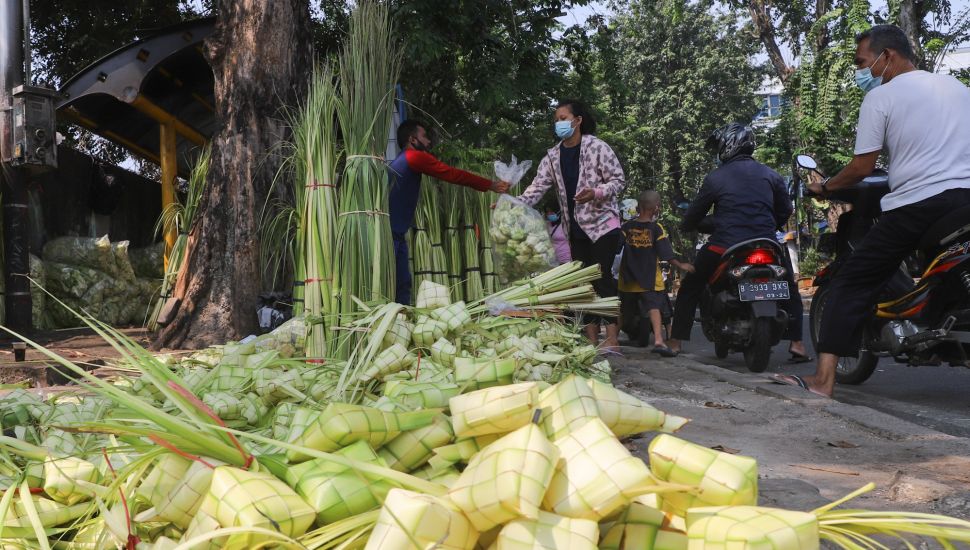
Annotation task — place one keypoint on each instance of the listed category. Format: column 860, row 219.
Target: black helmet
column 730, row 141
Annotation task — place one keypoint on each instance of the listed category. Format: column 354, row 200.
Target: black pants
column 692, row 287
column 602, row 252
column 857, row 284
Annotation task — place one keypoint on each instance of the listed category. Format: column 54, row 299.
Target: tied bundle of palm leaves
column 430, row 263
column 315, row 137
column 472, row 276
column 483, row 221
column 452, row 214
column 369, row 67
column 178, row 218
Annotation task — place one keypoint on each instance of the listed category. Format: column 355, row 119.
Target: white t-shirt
column 922, row 121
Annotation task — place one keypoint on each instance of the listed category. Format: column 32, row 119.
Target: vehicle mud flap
column 765, row 308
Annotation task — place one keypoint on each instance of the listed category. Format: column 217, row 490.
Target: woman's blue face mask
column 564, row 129
column 552, row 217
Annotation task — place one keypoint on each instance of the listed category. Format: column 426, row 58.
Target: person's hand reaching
column 500, row 187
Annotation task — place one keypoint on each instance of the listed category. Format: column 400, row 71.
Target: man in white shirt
column 921, row 121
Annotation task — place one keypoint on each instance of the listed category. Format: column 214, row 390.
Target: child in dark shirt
column 645, row 245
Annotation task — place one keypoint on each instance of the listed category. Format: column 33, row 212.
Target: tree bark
column 822, row 38
column 260, row 55
column 911, row 14
column 761, row 17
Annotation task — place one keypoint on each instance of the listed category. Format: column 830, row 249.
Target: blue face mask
column 553, row 218
column 564, row 129
column 865, row 80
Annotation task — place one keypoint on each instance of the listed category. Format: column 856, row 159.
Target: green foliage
column 665, row 77
column 810, row 262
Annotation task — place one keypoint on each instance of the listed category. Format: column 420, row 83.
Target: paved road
column 935, row 397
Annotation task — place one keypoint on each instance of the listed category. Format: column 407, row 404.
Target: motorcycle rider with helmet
column 750, row 201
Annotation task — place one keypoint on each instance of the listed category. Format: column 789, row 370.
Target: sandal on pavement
column 664, row 351
column 797, row 358
column 796, row 381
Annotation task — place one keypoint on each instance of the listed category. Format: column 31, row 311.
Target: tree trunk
column 822, row 38
column 763, row 23
column 260, row 55
column 911, row 14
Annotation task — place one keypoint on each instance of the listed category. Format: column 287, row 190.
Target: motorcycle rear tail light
column 760, row 256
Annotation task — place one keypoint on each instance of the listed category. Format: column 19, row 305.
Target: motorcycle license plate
column 756, row 292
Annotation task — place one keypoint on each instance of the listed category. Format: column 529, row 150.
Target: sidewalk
column 810, row 450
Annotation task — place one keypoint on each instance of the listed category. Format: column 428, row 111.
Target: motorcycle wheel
column 758, row 353
column 721, row 349
column 850, row 370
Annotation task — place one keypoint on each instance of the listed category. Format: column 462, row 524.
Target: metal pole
column 27, row 51
column 15, row 219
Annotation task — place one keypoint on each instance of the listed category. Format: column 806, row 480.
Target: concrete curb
column 883, row 424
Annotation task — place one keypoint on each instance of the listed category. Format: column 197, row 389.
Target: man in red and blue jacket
column 406, row 170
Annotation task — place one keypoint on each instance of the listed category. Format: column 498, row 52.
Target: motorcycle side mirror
column 806, row 162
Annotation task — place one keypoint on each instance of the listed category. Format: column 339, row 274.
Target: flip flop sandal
column 796, row 381
column 607, row 352
column 797, row 358
column 664, row 351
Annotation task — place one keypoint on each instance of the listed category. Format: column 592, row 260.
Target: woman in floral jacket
column 588, row 179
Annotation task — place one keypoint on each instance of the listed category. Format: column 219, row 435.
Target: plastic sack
column 513, row 171
column 521, row 241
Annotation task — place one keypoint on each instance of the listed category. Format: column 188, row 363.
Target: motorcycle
column 917, row 322
column 740, row 307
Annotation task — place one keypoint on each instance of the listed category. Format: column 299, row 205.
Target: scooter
column 916, row 322
column 740, row 307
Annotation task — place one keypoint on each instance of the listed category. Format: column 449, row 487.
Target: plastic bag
column 513, row 171
column 521, row 241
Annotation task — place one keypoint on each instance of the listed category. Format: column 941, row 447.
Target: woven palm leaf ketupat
column 239, row 497
column 164, row 477
column 427, row 331
column 484, row 373
column 566, row 406
column 392, row 359
column 411, row 520
column 506, row 480
column 341, row 424
column 723, row 479
column 180, row 504
column 460, row 451
column 64, row 477
column 413, row 448
column 751, row 528
column 548, row 532
column 335, row 491
column 455, row 315
column 495, row 410
column 640, row 527
column 627, row 415
column 420, row 395
column 597, row 475
column 432, row 295
column 443, row 352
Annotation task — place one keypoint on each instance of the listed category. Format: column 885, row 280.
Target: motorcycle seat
column 947, row 230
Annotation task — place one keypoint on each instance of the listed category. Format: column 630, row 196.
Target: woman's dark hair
column 579, row 109
column 407, row 129
column 883, row 37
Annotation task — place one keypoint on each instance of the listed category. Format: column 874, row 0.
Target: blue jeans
column 402, row 271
